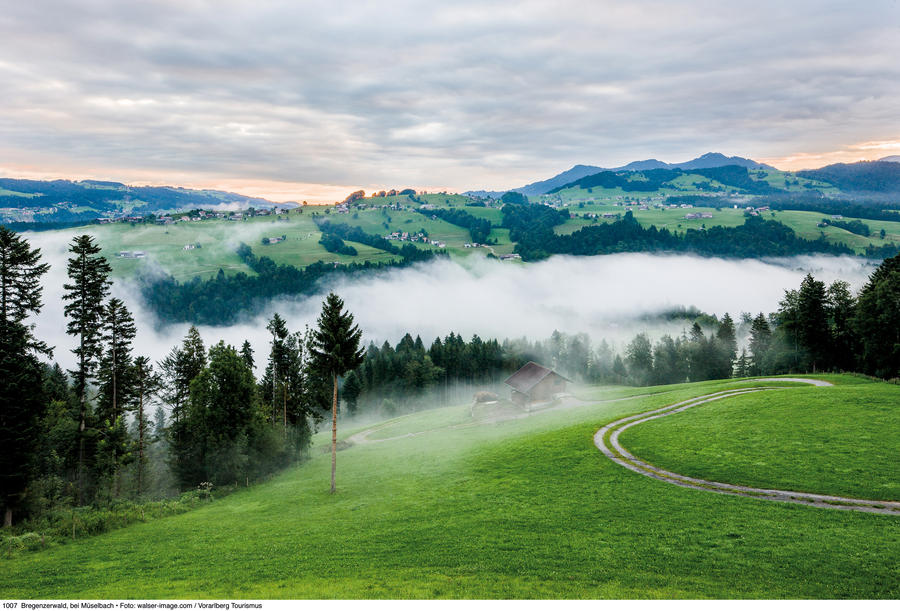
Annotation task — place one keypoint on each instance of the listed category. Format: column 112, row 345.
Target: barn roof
column 529, row 376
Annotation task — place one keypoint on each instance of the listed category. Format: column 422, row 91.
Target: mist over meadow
column 611, row 297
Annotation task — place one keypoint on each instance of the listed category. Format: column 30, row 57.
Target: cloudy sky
column 309, row 100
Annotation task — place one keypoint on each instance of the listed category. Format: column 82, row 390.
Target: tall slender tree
column 146, row 384
column 275, row 378
column 88, row 275
column 181, row 367
column 20, row 288
column 841, row 309
column 247, row 354
column 639, row 357
column 335, row 349
column 21, row 403
column 116, row 386
column 760, row 343
column 727, row 338
column 812, row 322
column 877, row 320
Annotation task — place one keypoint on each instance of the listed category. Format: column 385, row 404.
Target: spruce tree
column 727, row 337
column 760, row 342
column 116, row 386
column 181, row 367
column 88, row 274
column 335, row 349
column 21, row 401
column 639, row 357
column 352, row 390
column 20, row 288
column 247, row 354
column 812, row 322
column 742, row 365
column 841, row 310
column 877, row 320
column 274, row 382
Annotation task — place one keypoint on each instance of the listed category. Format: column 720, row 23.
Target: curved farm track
column 607, row 441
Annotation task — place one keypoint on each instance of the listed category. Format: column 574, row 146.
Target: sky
column 312, row 100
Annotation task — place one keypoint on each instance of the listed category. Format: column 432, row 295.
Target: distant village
column 199, row 214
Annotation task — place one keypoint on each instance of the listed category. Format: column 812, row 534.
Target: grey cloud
column 461, row 94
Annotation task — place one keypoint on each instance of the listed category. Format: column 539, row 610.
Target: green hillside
column 435, row 505
column 168, row 247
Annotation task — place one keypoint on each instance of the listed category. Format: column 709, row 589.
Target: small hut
column 534, row 383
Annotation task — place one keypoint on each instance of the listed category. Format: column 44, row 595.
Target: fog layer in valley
column 605, row 296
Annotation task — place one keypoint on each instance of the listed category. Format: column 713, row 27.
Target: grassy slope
column 164, row 244
column 219, row 238
column 805, row 440
column 523, row 508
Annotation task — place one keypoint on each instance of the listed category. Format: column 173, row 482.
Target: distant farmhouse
column 534, row 383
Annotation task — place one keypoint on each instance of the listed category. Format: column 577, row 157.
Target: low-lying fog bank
column 604, row 296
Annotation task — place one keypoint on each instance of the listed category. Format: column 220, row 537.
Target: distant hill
column 641, row 166
column 61, row 201
column 734, row 176
column 708, row 160
column 544, row 186
column 717, row 160
column 892, row 158
column 862, row 177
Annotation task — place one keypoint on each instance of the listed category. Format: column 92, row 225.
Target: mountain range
column 708, row 160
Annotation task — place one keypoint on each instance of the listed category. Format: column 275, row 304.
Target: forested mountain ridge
column 862, row 176
column 67, row 200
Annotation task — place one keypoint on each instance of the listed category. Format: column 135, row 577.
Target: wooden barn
column 534, row 383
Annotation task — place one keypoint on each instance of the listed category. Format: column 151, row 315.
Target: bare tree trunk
column 284, row 408
column 140, row 466
column 115, row 414
column 333, row 433
column 7, row 518
column 79, row 473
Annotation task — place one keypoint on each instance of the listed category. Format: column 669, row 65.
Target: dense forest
column 478, row 228
column 653, row 180
column 355, row 234
column 865, row 176
column 79, row 448
column 222, row 299
column 532, row 228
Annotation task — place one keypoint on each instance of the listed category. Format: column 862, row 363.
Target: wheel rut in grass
column 607, row 441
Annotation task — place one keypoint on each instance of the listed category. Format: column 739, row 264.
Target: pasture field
column 443, row 507
column 218, row 240
column 164, row 245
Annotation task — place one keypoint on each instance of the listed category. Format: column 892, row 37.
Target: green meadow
column 808, row 439
column 437, row 505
